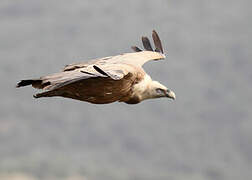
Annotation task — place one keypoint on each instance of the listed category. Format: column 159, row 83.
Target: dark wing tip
column 157, row 42
column 154, row 31
column 136, row 49
column 146, row 44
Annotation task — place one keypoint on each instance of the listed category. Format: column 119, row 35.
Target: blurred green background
column 206, row 134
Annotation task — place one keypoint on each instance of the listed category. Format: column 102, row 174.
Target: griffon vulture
column 106, row 80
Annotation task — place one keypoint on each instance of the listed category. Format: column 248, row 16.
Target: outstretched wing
column 73, row 66
column 112, row 71
column 138, row 58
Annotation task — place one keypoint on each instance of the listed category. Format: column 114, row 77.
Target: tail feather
column 28, row 82
column 36, row 83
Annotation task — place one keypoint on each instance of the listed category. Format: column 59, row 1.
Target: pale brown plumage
column 106, row 80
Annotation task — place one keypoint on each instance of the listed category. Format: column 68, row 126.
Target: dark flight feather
column 146, row 44
column 99, row 70
column 157, row 42
column 87, row 73
column 136, row 49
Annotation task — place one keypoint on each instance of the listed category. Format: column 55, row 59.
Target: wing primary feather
column 146, row 44
column 100, row 71
column 157, row 42
column 87, row 73
column 136, row 49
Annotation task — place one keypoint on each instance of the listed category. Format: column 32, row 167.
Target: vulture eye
column 160, row 91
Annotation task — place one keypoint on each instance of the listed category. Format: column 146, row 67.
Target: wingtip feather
column 146, row 43
column 136, row 49
column 157, row 42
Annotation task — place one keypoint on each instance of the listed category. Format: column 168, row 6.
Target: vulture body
column 106, row 80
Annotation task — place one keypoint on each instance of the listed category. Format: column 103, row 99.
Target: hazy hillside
column 205, row 134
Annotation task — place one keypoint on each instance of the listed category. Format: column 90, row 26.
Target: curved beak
column 170, row 94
